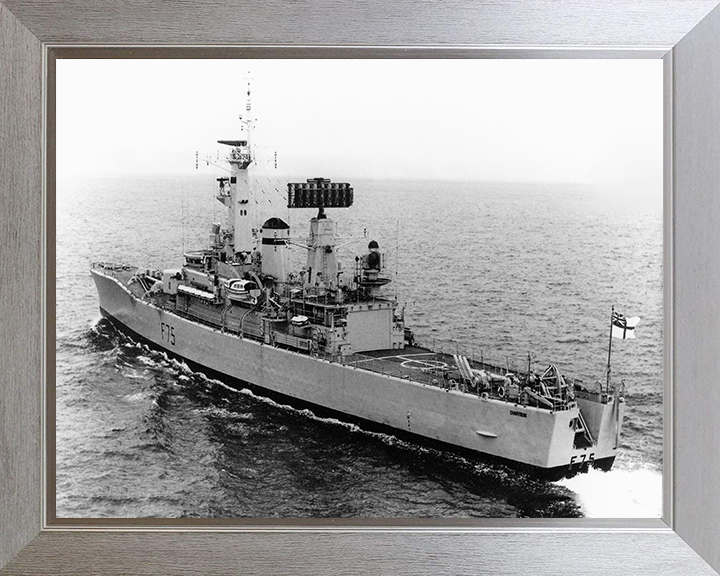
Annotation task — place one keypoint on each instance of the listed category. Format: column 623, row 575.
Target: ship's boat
column 239, row 290
column 328, row 337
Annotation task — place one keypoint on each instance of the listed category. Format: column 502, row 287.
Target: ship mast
column 236, row 193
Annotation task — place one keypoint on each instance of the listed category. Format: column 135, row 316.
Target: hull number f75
column 583, row 457
column 167, row 333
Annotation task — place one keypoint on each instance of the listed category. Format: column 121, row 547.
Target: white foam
column 137, row 397
column 618, row 493
column 389, row 439
column 147, row 361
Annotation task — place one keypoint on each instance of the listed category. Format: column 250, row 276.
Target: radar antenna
column 245, row 119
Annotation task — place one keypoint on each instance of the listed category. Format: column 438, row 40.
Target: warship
column 330, row 338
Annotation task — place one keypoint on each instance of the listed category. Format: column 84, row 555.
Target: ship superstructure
column 328, row 336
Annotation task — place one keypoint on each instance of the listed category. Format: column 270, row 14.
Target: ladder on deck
column 583, row 427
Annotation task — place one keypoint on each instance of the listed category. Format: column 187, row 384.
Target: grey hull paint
column 539, row 438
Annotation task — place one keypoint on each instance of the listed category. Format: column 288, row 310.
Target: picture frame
column 687, row 539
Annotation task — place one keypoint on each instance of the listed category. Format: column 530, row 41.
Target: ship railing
column 597, row 395
column 441, row 378
column 109, row 265
column 108, row 268
column 483, row 359
column 111, row 268
column 501, row 364
column 211, row 321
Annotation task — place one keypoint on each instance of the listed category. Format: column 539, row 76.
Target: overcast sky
column 588, row 121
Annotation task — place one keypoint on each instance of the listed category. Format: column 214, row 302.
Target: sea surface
column 506, row 269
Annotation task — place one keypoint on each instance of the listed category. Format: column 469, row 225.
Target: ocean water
column 509, row 269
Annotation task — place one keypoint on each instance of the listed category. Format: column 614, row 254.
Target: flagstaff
column 612, row 317
column 620, row 327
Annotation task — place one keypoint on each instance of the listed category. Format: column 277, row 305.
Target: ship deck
column 412, row 362
column 418, row 364
column 434, row 368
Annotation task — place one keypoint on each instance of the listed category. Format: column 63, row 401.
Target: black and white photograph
column 359, row 288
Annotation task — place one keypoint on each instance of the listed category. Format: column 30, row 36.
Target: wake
column 618, row 493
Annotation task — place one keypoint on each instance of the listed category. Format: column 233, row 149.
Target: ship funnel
column 275, row 257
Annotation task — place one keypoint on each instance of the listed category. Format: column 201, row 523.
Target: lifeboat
column 300, row 321
column 239, row 290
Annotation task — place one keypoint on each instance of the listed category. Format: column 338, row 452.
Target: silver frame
column 686, row 34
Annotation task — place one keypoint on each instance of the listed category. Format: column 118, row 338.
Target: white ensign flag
column 623, row 327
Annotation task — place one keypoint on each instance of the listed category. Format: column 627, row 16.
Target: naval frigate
column 328, row 337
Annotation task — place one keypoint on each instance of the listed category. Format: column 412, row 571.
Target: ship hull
column 532, row 438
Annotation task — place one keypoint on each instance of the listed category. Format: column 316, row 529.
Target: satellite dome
column 373, row 245
column 275, row 224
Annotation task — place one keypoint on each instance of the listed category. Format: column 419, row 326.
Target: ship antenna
column 182, row 213
column 248, row 107
column 397, row 255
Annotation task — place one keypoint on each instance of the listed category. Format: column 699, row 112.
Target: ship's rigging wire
column 182, row 213
column 397, row 255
